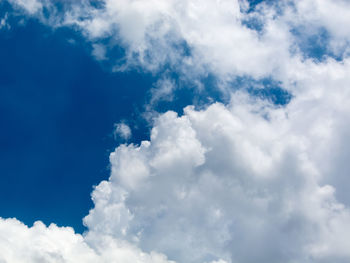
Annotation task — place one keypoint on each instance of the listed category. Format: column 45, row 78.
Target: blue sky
column 239, row 122
column 57, row 104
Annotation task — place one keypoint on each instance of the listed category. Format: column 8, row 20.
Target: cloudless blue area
column 57, row 110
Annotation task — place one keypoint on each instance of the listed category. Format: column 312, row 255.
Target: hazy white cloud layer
column 244, row 182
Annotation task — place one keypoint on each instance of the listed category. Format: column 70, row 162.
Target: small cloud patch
column 122, row 130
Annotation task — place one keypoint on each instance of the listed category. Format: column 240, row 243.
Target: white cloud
column 226, row 181
column 39, row 243
column 122, row 130
column 163, row 90
column 19, row 243
column 99, row 51
column 4, row 22
column 242, row 182
column 31, row 6
column 156, row 32
column 153, row 32
column 200, row 37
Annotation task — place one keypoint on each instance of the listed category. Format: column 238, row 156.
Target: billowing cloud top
column 246, row 181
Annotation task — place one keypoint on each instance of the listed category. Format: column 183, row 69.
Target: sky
column 174, row 131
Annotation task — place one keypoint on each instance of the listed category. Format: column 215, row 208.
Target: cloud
column 225, row 181
column 156, row 32
column 4, row 22
column 99, row 51
column 215, row 185
column 30, row 6
column 163, row 91
column 122, row 130
column 191, row 36
column 196, row 38
column 54, row 244
column 41, row 244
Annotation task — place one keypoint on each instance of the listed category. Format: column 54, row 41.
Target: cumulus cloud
column 213, row 185
column 244, row 182
column 41, row 244
column 54, row 244
column 225, row 181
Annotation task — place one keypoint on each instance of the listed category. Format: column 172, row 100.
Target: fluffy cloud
column 157, row 32
column 244, row 182
column 191, row 36
column 240, row 183
column 200, row 37
column 39, row 243
column 54, row 244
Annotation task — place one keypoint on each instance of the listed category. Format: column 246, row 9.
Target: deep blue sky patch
column 313, row 44
column 57, row 110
